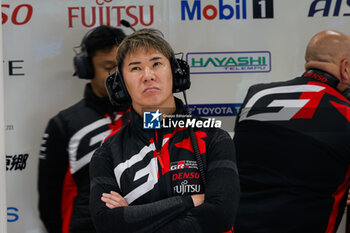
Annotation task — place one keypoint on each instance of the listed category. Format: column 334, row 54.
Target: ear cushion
column 346, row 94
column 83, row 66
column 116, row 89
column 181, row 75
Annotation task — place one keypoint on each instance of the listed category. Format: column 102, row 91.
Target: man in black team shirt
column 74, row 134
column 293, row 145
column 149, row 180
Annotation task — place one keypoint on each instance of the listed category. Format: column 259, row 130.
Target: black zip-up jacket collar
column 322, row 77
column 101, row 105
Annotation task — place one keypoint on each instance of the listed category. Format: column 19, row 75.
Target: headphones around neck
column 82, row 62
column 346, row 94
column 118, row 94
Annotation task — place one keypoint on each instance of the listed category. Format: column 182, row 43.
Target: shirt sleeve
column 53, row 165
column 218, row 212
column 137, row 218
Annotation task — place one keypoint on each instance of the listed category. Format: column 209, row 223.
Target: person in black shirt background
column 293, row 145
column 75, row 133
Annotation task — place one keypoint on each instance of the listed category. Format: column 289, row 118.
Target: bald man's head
column 329, row 51
column 328, row 46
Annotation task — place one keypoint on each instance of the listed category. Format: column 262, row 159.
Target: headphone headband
column 118, row 94
column 105, row 36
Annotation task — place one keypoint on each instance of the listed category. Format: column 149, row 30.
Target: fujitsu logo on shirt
column 187, row 188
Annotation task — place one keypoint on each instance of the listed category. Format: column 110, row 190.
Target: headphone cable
column 200, row 162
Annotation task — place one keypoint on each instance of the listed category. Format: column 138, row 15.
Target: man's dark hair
column 103, row 38
column 147, row 39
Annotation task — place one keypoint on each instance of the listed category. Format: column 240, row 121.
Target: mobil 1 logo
column 262, row 9
column 225, row 9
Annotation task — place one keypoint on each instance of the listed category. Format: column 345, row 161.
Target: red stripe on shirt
column 69, row 192
column 338, row 195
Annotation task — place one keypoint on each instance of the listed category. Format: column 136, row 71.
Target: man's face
column 148, row 79
column 104, row 63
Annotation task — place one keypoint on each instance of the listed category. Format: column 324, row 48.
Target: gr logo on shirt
column 279, row 109
column 183, row 164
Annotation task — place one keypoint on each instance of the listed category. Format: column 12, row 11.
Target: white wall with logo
column 229, row 44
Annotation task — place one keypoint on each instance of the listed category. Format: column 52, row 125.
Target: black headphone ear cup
column 346, row 94
column 116, row 89
column 83, row 66
column 181, row 75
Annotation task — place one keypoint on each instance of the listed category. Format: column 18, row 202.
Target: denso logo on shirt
column 186, row 175
column 183, row 164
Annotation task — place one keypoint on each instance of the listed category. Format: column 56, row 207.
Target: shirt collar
column 322, row 77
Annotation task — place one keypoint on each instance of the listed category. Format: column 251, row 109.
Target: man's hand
column 113, row 200
column 348, row 200
column 198, row 199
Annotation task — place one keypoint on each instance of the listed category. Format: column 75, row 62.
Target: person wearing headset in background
column 293, row 145
column 149, row 180
column 75, row 133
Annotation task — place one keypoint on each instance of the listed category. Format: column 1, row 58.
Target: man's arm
column 53, row 165
column 137, row 218
column 218, row 212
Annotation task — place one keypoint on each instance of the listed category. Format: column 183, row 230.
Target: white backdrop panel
column 38, row 41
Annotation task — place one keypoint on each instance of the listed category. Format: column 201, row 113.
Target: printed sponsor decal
column 186, row 188
column 16, row 14
column 108, row 12
column 16, row 162
column 229, row 62
column 323, row 8
column 224, row 10
column 185, row 175
column 14, row 67
column 204, row 110
column 262, row 9
column 183, row 164
column 12, row 214
column 9, row 127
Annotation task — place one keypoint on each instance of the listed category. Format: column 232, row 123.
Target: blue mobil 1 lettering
column 204, row 110
column 223, row 10
column 229, row 62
